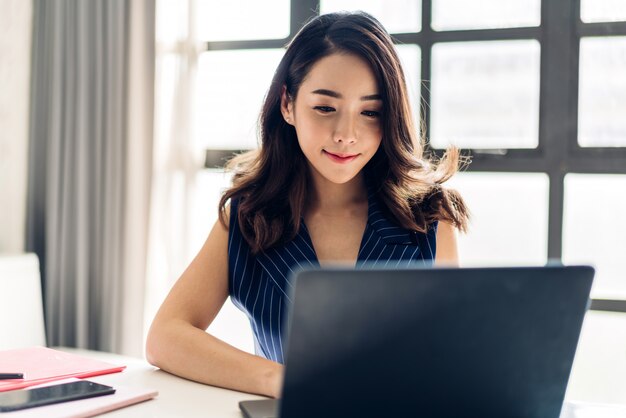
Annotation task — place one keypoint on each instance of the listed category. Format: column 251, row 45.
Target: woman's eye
column 324, row 109
column 371, row 113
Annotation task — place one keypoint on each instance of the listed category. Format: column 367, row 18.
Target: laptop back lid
column 488, row 342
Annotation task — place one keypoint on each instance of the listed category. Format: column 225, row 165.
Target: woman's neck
column 329, row 197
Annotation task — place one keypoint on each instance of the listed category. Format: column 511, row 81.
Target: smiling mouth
column 340, row 158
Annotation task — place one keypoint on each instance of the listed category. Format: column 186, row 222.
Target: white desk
column 177, row 397
column 183, row 398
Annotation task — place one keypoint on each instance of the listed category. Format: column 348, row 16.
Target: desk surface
column 177, row 397
column 184, row 398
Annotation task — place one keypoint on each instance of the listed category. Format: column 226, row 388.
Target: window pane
column 594, row 229
column 505, row 229
column 236, row 20
column 397, row 16
column 411, row 57
column 602, row 92
column 599, row 367
column 485, row 94
column 602, row 10
column 485, row 14
column 230, row 95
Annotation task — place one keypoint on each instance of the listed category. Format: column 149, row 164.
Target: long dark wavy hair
column 272, row 182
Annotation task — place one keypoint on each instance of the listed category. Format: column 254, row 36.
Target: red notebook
column 41, row 364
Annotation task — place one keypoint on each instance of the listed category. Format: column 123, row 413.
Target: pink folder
column 41, row 364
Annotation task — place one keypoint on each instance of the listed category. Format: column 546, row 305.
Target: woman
column 339, row 178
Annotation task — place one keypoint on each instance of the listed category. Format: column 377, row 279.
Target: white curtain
column 184, row 194
column 176, row 162
column 139, row 148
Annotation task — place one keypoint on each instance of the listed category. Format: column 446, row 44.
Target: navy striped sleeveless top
column 261, row 285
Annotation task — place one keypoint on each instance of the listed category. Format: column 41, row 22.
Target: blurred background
column 117, row 115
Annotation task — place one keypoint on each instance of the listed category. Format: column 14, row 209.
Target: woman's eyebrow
column 336, row 95
column 372, row 97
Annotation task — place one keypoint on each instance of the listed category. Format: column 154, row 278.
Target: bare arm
column 447, row 252
column 177, row 341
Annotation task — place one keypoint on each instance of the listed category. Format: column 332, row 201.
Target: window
column 485, row 94
column 531, row 90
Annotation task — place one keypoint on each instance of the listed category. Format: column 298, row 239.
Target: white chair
column 21, row 307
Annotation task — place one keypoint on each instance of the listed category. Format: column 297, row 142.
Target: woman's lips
column 340, row 158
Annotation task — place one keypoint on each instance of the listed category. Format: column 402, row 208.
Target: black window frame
column 558, row 152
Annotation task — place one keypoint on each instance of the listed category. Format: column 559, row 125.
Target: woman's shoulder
column 228, row 212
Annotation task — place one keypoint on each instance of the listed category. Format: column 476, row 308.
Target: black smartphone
column 14, row 400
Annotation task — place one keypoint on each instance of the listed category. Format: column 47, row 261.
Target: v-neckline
column 306, row 236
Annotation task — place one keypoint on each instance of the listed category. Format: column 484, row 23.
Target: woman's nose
column 346, row 129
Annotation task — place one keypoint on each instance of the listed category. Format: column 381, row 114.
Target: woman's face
column 336, row 115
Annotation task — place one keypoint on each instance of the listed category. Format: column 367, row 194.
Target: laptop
column 430, row 342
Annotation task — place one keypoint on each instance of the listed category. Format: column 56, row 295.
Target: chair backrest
column 21, row 307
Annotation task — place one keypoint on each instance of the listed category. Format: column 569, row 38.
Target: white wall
column 15, row 50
